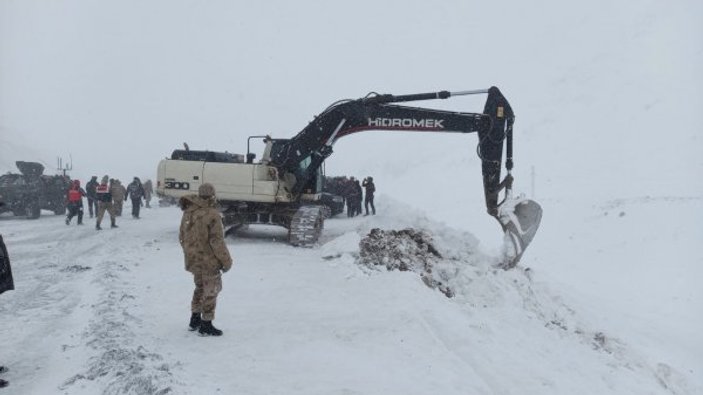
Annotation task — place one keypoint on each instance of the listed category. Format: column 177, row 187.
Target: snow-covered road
column 106, row 312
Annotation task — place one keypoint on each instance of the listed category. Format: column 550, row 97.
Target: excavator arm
column 494, row 126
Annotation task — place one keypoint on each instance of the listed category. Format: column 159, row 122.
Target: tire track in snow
column 48, row 268
column 119, row 365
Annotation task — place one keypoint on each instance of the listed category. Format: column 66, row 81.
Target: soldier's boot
column 3, row 369
column 68, row 221
column 206, row 329
column 97, row 226
column 194, row 321
column 112, row 223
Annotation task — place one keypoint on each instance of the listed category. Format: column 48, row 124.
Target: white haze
column 607, row 97
column 606, row 93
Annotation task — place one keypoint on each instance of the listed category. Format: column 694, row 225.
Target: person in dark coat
column 358, row 197
column 350, row 193
column 135, row 191
column 370, row 189
column 6, row 284
column 91, row 195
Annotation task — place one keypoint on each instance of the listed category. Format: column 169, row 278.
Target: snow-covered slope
column 106, row 312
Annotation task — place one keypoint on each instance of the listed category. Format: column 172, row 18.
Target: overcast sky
column 606, row 93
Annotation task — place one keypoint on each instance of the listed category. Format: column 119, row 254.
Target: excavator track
column 306, row 226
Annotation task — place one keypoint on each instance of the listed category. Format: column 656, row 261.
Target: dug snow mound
column 399, row 249
column 404, row 250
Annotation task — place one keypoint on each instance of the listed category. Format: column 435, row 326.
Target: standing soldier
column 92, row 198
column 118, row 195
column 206, row 256
column 370, row 189
column 104, row 203
column 148, row 191
column 75, row 202
column 135, row 191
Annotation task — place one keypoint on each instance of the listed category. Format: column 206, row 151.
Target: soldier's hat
column 206, row 190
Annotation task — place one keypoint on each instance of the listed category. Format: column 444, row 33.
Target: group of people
column 201, row 237
column 354, row 194
column 107, row 195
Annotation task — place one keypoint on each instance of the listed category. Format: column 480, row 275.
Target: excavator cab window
column 304, row 163
column 314, row 185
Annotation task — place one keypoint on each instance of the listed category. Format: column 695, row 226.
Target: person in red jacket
column 75, row 202
column 104, row 195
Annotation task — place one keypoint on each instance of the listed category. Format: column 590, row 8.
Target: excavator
column 283, row 188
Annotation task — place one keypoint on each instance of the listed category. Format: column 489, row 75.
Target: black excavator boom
column 519, row 218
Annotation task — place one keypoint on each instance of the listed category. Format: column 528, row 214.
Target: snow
column 607, row 139
column 106, row 312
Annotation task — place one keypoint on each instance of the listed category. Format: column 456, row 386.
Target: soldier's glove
column 225, row 269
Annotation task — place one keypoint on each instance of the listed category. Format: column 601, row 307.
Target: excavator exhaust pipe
column 520, row 219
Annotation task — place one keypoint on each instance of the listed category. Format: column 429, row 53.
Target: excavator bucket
column 520, row 219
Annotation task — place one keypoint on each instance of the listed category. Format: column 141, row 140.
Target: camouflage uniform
column 148, row 191
column 202, row 238
column 119, row 193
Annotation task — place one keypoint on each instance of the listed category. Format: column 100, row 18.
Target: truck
column 28, row 192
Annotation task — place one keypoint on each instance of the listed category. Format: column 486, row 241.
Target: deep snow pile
column 468, row 273
column 406, row 249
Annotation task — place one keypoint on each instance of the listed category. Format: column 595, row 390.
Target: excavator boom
column 519, row 218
